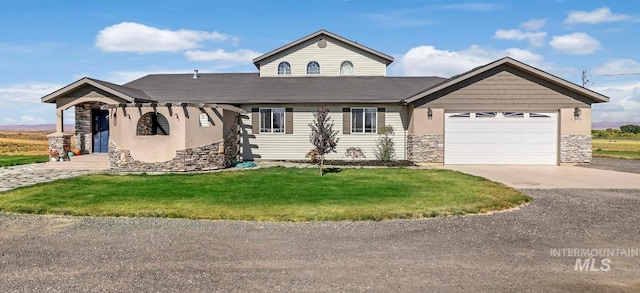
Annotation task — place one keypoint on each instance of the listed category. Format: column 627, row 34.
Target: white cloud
column 26, row 93
column 534, row 24
column 429, row 61
column 575, row 43
column 624, row 103
column 26, row 119
column 241, row 55
column 139, row 38
column 534, row 38
column 598, row 15
column 617, row 67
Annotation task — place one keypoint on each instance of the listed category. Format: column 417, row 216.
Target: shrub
column 354, row 153
column 385, row 150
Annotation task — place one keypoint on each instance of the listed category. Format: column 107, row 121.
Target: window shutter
column 381, row 121
column 255, row 120
column 346, row 120
column 288, row 118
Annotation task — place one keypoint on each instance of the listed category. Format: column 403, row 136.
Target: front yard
column 271, row 194
column 616, row 148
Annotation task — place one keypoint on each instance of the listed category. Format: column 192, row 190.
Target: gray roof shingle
column 247, row 88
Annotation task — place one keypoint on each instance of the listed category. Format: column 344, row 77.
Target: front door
column 100, row 131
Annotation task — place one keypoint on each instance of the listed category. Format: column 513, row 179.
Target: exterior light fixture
column 430, row 113
column 576, row 113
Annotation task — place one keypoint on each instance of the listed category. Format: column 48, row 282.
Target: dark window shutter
column 346, row 120
column 255, row 120
column 288, row 118
column 381, row 121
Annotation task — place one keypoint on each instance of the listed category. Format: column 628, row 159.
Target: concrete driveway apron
column 548, row 177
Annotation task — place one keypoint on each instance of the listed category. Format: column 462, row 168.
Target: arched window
column 313, row 68
column 284, row 68
column 346, row 67
column 152, row 124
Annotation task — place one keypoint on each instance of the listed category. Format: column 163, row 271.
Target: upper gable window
column 346, row 67
column 284, row 68
column 313, row 68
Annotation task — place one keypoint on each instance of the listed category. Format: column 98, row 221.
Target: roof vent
column 195, row 74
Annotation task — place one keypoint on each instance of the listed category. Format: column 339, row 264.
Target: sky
column 46, row 45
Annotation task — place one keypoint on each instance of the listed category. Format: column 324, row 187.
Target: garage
column 523, row 138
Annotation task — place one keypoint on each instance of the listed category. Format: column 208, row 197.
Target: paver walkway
column 24, row 175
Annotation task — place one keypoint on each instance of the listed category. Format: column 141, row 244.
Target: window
column 152, row 124
column 313, row 68
column 486, row 114
column 363, row 120
column 538, row 115
column 346, row 67
column 284, row 68
column 513, row 114
column 272, row 120
column 461, row 115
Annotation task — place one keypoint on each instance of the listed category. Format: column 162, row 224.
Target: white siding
column 330, row 58
column 295, row 146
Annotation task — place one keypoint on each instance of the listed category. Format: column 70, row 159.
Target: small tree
column 322, row 136
column 385, row 150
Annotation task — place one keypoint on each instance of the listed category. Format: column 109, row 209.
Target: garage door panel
column 514, row 138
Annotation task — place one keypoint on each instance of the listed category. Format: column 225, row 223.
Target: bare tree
column 322, row 136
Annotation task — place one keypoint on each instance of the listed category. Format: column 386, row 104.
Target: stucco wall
column 420, row 123
column 570, row 125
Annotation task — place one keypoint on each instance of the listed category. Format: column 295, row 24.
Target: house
column 505, row 112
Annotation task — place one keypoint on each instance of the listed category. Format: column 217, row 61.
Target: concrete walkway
column 546, row 177
column 24, row 175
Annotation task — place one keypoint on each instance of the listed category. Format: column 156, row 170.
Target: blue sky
column 45, row 45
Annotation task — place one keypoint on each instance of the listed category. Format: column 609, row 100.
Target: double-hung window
column 272, row 120
column 363, row 120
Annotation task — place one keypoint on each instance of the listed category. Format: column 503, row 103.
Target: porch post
column 59, row 141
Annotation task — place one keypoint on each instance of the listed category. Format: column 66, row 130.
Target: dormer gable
column 323, row 54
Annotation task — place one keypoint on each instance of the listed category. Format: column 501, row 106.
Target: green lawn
column 273, row 194
column 616, row 148
column 13, row 160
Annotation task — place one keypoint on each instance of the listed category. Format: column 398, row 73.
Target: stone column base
column 60, row 142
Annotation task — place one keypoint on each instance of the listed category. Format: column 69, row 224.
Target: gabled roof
column 250, row 88
column 126, row 93
column 594, row 96
column 388, row 59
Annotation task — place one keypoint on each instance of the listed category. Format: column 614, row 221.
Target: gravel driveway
column 508, row 251
column 621, row 165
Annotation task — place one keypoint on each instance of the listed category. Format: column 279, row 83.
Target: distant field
column 616, row 148
column 24, row 143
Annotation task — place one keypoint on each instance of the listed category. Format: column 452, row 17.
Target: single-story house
column 504, row 112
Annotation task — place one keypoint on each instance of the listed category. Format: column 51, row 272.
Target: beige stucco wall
column 570, row 125
column 330, row 58
column 420, row 124
column 184, row 131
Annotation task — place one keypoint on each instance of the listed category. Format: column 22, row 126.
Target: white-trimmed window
column 363, row 120
column 272, row 120
column 284, row 68
column 346, row 67
column 313, row 67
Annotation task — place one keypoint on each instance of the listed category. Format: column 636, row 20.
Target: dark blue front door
column 100, row 131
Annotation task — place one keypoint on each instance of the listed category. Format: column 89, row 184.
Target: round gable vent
column 322, row 43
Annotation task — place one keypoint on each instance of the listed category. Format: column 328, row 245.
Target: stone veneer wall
column 575, row 148
column 84, row 135
column 202, row 158
column 425, row 148
column 58, row 142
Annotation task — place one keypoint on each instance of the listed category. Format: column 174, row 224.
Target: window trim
column 364, row 116
column 308, row 67
column 288, row 67
column 284, row 120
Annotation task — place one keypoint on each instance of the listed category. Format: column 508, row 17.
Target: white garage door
column 501, row 138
